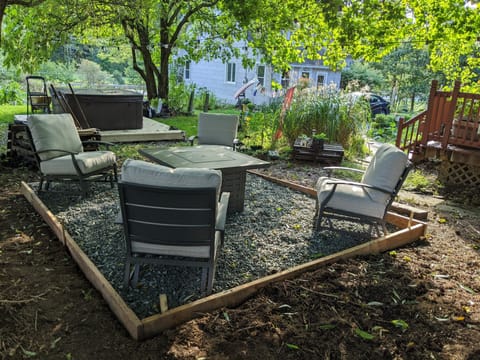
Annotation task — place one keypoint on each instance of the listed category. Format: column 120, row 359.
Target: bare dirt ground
column 418, row 302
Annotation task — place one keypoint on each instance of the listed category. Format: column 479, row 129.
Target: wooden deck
column 151, row 131
column 449, row 131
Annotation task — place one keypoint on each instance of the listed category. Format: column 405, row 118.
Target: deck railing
column 451, row 118
column 409, row 134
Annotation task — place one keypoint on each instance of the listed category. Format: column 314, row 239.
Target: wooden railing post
column 450, row 114
column 398, row 142
column 428, row 117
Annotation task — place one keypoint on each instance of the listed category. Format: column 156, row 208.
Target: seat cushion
column 217, row 129
column 169, row 250
column 352, row 198
column 54, row 131
column 145, row 173
column 88, row 162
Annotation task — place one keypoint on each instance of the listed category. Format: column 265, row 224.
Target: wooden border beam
column 124, row 314
column 412, row 229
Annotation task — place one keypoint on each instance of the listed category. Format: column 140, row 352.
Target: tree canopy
column 280, row 32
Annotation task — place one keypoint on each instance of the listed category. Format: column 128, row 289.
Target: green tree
column 408, row 73
column 280, row 32
column 364, row 74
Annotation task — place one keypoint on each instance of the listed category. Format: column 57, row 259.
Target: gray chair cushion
column 88, row 162
column 352, row 198
column 386, row 167
column 145, row 173
column 170, row 250
column 54, row 131
column 217, row 129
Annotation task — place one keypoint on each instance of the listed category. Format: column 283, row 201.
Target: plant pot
column 317, row 144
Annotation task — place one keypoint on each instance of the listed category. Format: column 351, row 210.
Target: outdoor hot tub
column 107, row 109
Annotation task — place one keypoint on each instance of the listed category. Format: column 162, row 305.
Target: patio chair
column 37, row 96
column 216, row 129
column 172, row 217
column 367, row 200
column 60, row 154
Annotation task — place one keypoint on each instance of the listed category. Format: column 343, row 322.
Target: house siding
column 212, row 76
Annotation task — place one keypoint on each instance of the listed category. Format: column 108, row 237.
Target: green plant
column 179, row 95
column 11, row 93
column 200, row 98
column 321, row 136
column 383, row 128
column 259, row 126
column 326, row 110
column 418, row 181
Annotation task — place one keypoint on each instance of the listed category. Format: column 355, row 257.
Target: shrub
column 11, row 93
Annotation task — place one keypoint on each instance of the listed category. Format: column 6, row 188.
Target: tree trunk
column 412, row 101
column 163, row 76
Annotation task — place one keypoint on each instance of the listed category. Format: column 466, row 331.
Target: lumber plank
column 303, row 189
column 153, row 325
column 43, row 211
column 163, row 303
column 235, row 296
column 418, row 214
column 124, row 314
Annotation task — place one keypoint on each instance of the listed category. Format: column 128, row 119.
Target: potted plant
column 318, row 140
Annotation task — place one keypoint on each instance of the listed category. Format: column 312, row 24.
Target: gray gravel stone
column 274, row 233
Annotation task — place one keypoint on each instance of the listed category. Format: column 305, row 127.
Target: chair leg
column 204, row 280
column 114, row 176
column 126, row 280
column 83, row 186
column 384, row 227
column 211, row 278
column 136, row 272
column 40, row 185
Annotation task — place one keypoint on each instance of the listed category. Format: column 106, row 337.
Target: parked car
column 378, row 105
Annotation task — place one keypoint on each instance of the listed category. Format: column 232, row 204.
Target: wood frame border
column 140, row 329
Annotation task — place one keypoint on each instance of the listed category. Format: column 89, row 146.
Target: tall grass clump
column 260, row 125
column 325, row 110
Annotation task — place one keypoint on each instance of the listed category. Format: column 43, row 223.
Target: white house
column 224, row 79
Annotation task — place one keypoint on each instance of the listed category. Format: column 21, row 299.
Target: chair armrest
column 353, row 183
column 236, row 144
column 222, row 212
column 58, row 150
column 331, row 169
column 192, row 138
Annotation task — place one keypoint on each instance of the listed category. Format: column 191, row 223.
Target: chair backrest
column 387, row 170
column 54, row 131
column 164, row 206
column 217, row 129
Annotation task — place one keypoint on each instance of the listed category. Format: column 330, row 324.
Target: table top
column 203, row 156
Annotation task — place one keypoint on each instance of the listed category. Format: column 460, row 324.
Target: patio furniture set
column 174, row 208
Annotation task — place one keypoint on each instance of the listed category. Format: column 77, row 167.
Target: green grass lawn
column 189, row 123
column 8, row 111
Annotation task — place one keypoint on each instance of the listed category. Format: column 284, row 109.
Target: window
column 305, row 75
column 261, row 74
column 186, row 70
column 285, row 79
column 320, row 80
column 230, row 73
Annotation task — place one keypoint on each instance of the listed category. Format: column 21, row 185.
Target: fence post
column 207, row 100
column 190, row 103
